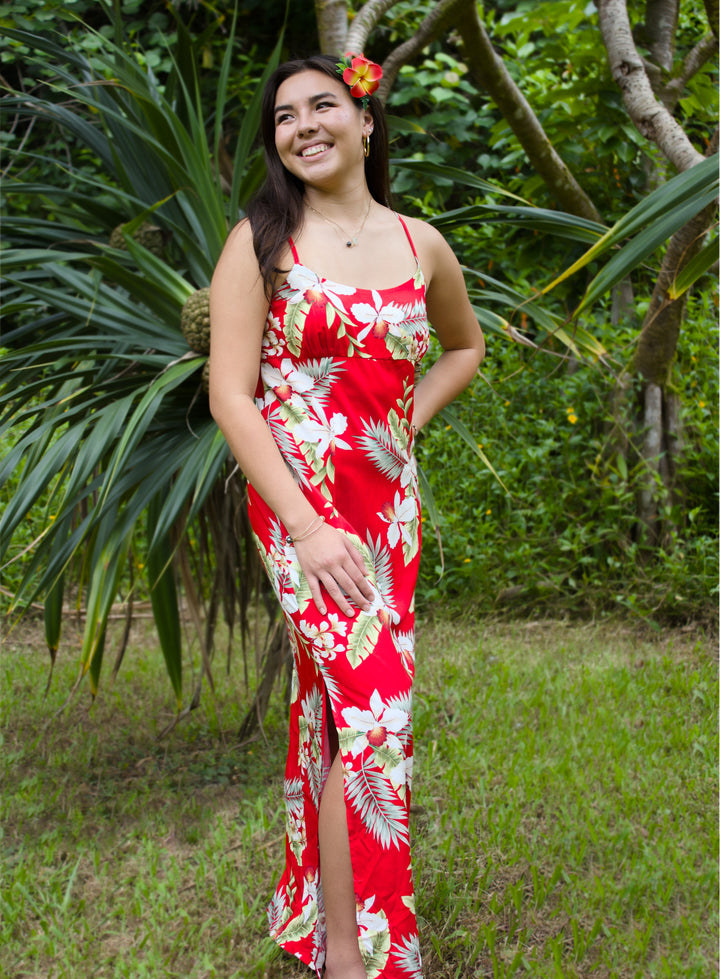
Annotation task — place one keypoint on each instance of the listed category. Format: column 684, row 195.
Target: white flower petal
column 365, row 313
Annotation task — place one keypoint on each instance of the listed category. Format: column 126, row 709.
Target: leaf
column 363, row 638
column 164, row 598
column 299, row 927
column 661, row 213
column 383, row 450
column 371, row 795
column 53, row 616
column 295, row 316
column 428, row 499
column 108, row 560
column 558, row 223
column 462, row 177
column 466, row 435
column 695, row 268
column 643, row 245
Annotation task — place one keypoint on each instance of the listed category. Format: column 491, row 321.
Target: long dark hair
column 276, row 211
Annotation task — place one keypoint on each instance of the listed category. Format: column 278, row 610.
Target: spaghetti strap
column 296, row 257
column 409, row 238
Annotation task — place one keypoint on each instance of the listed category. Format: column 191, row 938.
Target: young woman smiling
column 319, row 317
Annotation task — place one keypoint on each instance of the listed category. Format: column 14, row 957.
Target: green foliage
column 442, row 121
column 566, row 537
column 563, row 818
column 111, row 416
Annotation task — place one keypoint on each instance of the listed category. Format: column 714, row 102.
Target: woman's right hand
column 330, row 561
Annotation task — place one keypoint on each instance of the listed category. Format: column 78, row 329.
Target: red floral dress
column 336, row 390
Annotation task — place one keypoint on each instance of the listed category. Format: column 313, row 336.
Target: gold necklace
column 350, row 242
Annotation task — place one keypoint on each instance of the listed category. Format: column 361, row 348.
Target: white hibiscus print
column 368, row 923
column 285, row 384
column 376, row 726
column 323, row 636
column 401, row 774
column 273, row 343
column 310, row 891
column 307, row 285
column 380, row 319
column 324, row 433
column 381, row 607
column 408, row 476
column 405, row 645
column 398, row 514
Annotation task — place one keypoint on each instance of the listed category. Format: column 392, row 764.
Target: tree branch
column 436, row 23
column 661, row 327
column 649, row 116
column 700, row 54
column 332, row 18
column 490, row 74
column 659, row 30
column 364, row 22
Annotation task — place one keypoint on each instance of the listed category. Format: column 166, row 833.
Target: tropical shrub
column 564, row 539
column 116, row 435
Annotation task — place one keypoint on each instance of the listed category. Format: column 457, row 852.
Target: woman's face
column 318, row 128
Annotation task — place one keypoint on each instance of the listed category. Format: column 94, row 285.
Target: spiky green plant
column 117, row 437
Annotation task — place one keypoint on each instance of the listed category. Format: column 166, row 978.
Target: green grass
column 565, row 820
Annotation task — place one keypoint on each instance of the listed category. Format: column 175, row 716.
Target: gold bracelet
column 310, row 529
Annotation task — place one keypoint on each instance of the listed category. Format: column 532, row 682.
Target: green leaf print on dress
column 373, row 937
column 407, row 956
column 363, row 638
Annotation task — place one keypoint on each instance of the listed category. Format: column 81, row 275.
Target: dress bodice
column 311, row 317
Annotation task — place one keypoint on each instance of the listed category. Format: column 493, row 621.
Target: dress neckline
column 349, row 285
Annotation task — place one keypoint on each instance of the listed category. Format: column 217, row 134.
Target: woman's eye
column 324, row 105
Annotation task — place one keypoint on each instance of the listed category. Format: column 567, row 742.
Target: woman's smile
column 314, row 149
column 317, row 122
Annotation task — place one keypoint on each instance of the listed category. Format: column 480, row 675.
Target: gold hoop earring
column 366, row 144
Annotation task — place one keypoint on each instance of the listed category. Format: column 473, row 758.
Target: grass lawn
column 565, row 812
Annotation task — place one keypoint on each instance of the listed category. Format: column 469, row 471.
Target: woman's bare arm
column 454, row 322
column 238, row 310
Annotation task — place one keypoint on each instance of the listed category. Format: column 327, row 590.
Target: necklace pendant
column 351, row 242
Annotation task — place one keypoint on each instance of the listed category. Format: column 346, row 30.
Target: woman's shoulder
column 240, row 237
column 432, row 248
column 420, row 229
column 237, row 268
column 239, row 251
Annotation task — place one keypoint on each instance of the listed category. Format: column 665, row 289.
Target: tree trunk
column 649, row 98
column 436, row 23
column 332, row 24
column 488, row 70
column 659, row 30
column 650, row 117
column 656, row 347
column 712, row 9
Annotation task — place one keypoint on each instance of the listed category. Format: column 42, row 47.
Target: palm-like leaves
column 97, row 372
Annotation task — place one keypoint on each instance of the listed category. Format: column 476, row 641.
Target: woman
column 319, row 310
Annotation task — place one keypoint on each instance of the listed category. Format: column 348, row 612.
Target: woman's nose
column 306, row 126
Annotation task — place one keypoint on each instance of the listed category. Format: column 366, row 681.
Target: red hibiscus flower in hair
column 362, row 75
